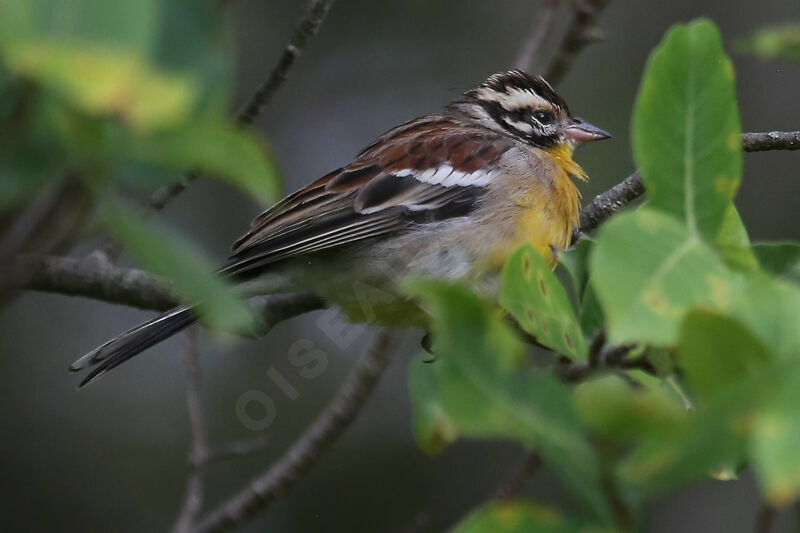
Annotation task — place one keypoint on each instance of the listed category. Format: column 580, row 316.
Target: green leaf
column 611, row 407
column 518, row 517
column 433, row 428
column 733, row 243
column 105, row 81
column 779, row 258
column 592, row 318
column 781, row 41
column 183, row 265
column 129, row 26
column 575, row 261
column 686, row 131
column 648, row 271
column 485, row 394
column 769, row 308
column 776, row 433
column 673, row 455
column 537, row 299
column 715, row 350
column 227, row 152
column 713, row 437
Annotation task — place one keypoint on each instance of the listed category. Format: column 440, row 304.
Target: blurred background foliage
column 115, row 99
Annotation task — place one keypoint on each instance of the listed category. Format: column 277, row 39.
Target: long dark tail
column 132, row 342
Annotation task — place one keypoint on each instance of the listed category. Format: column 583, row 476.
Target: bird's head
column 527, row 107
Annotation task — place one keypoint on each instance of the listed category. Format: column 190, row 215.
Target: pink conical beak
column 581, row 131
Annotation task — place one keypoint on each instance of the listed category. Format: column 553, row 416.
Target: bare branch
column 765, row 519
column 582, row 31
column 606, row 204
column 198, row 451
column 96, row 277
column 306, row 29
column 263, row 490
column 545, row 17
column 514, row 484
column 773, row 140
column 239, row 448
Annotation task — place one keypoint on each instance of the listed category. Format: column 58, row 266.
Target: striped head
column 528, row 109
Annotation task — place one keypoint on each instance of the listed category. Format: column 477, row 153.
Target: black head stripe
column 512, row 121
column 506, row 82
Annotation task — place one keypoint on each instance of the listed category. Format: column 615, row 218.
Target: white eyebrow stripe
column 447, row 176
column 515, row 99
column 518, row 99
column 521, row 126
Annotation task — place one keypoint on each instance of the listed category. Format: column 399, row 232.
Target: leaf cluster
column 676, row 283
column 123, row 97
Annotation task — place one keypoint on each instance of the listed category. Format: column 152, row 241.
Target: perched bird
column 447, row 195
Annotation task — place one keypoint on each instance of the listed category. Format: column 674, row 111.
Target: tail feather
column 134, row 341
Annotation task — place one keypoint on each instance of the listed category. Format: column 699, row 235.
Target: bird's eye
column 544, row 117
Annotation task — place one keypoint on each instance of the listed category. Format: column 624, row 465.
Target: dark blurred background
column 113, row 457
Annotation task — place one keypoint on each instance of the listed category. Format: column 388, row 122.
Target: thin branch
column 772, row 140
column 306, row 29
column 545, row 17
column 265, row 488
column 96, row 277
column 581, row 32
column 765, row 519
column 606, row 204
column 514, row 484
column 611, row 358
column 198, row 451
column 239, row 448
column 511, row 487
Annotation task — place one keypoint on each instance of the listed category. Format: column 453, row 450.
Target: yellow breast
column 550, row 208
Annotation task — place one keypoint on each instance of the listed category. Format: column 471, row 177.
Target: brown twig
column 581, row 32
column 198, row 450
column 265, row 488
column 545, row 17
column 765, row 519
column 611, row 358
column 515, row 483
column 771, row 140
column 96, row 277
column 606, row 204
column 306, row 29
column 239, row 448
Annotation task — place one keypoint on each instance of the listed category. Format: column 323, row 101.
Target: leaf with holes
column 537, row 299
column 686, row 131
